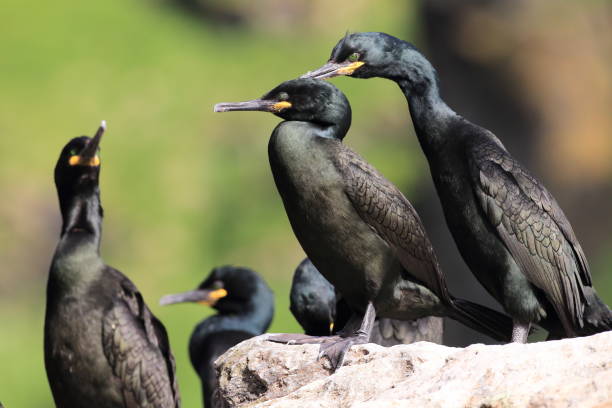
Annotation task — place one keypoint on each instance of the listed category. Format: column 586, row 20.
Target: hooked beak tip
column 103, row 124
column 219, row 108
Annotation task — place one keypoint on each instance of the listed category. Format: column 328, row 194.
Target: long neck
column 77, row 257
column 418, row 81
column 77, row 260
column 291, row 151
column 329, row 131
column 82, row 216
column 430, row 114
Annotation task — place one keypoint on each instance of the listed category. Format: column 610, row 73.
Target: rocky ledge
column 566, row 373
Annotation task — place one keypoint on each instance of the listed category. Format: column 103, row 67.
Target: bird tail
column 482, row 319
column 597, row 316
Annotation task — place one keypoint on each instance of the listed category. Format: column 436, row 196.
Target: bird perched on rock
column 103, row 346
column 246, row 307
column 358, row 229
column 509, row 229
column 321, row 311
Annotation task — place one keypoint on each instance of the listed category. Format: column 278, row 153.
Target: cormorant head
column 78, row 168
column 367, row 55
column 229, row 289
column 78, row 163
column 313, row 300
column 304, row 100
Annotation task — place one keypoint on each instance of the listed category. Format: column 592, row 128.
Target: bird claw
column 337, row 351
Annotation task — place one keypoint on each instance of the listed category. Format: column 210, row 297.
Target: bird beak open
column 89, row 155
column 262, row 105
column 334, row 69
column 205, row 297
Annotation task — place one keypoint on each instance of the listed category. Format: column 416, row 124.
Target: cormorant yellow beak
column 254, row 105
column 207, row 297
column 78, row 160
column 213, row 297
column 334, row 69
column 279, row 106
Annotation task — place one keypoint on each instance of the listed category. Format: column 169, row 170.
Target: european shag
column 103, row 346
column 509, row 229
column 246, row 306
column 313, row 302
column 357, row 228
column 321, row 311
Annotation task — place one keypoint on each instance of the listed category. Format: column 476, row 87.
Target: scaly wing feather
column 533, row 228
column 136, row 346
column 385, row 209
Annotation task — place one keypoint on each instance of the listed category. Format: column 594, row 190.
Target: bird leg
column 520, row 331
column 336, row 347
column 352, row 325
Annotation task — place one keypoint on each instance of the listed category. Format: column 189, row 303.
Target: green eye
column 73, row 152
column 354, row 57
column 283, row 96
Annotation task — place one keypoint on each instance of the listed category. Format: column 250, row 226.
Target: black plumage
column 321, row 311
column 103, row 346
column 313, row 301
column 509, row 229
column 357, row 228
column 246, row 306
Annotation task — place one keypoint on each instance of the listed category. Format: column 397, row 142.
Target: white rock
column 566, row 373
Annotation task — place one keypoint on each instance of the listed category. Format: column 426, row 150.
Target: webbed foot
column 336, row 351
column 296, row 339
column 334, row 347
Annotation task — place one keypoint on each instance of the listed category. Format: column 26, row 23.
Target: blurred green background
column 185, row 189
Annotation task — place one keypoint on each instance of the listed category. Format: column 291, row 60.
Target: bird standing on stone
column 103, row 346
column 321, row 311
column 246, row 307
column 357, row 228
column 509, row 229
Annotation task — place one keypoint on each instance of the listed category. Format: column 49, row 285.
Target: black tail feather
column 482, row 319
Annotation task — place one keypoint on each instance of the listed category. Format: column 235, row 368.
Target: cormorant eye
column 73, row 152
column 283, row 96
column 354, row 57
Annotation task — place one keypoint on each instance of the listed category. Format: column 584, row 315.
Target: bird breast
column 343, row 247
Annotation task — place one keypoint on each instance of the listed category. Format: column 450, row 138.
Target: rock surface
column 566, row 373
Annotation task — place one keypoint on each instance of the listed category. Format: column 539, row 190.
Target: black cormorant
column 355, row 226
column 246, row 307
column 509, row 229
column 321, row 311
column 103, row 346
column 313, row 301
